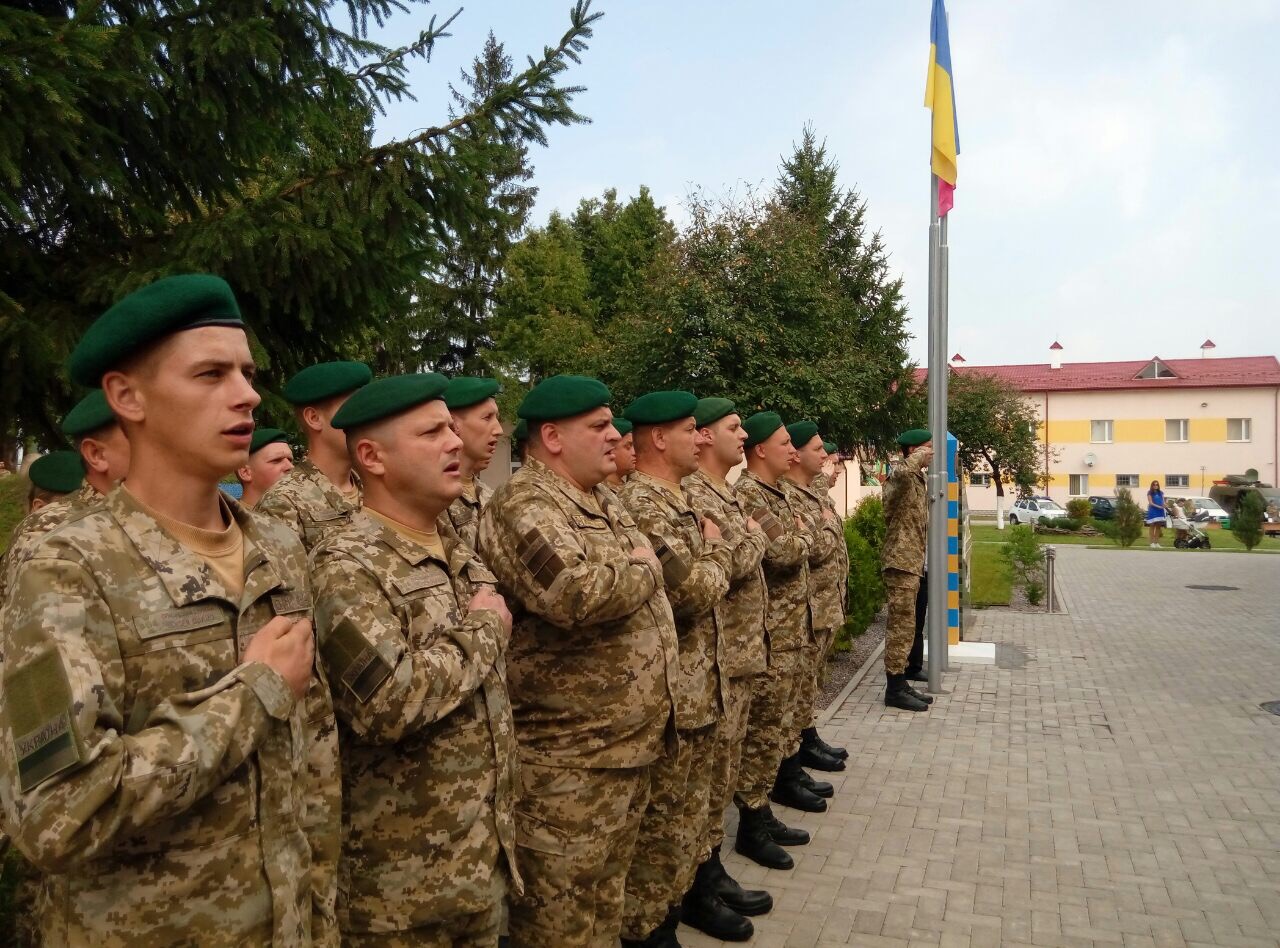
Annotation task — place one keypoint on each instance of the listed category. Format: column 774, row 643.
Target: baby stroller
column 1187, row 533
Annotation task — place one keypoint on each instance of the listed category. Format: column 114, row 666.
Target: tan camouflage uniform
column 696, row 575
column 464, row 513
column 742, row 641
column 152, row 776
column 313, row 507
column 828, row 579
column 906, row 515
column 427, row 739
column 771, row 727
column 592, row 670
column 27, row 534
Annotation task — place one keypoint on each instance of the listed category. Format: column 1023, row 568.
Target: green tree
column 1126, row 525
column 1248, row 517
column 995, row 426
column 145, row 137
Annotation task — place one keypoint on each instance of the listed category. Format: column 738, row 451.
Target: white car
column 1210, row 506
column 1031, row 509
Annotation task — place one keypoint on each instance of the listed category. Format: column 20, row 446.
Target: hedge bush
column 1079, row 509
column 863, row 536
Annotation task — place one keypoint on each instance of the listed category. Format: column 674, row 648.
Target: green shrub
column 18, row 888
column 13, row 505
column 1079, row 509
column 1062, row 523
column 1128, row 519
column 863, row 537
column 1025, row 557
column 868, row 519
column 1247, row 519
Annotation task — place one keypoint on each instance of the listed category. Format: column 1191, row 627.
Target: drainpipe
column 1046, row 445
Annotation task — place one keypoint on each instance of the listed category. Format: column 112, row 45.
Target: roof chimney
column 957, row 359
column 1055, row 355
column 1205, row 347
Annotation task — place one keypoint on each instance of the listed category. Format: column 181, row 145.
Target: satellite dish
column 1090, row 459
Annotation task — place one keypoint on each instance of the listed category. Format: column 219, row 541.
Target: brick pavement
column 1111, row 781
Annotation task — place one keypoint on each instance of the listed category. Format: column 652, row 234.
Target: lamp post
column 1201, row 480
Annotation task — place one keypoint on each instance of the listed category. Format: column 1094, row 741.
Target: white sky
column 1118, row 160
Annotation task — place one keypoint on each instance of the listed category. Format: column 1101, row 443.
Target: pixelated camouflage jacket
column 822, row 486
column 786, row 562
column 828, row 557
column 464, row 513
column 696, row 574
column 309, row 503
column 35, row 525
column 156, row 779
column 742, row 614
column 593, row 662
column 906, row 515
column 428, row 743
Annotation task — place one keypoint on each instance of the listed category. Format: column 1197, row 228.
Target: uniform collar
column 307, row 470
column 769, row 487
column 593, row 507
column 415, row 554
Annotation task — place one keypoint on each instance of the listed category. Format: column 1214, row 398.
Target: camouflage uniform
column 828, row 579
column 464, row 513
column 28, row 532
column 696, row 575
column 153, row 777
column 428, row 744
column 592, row 670
column 771, row 727
column 309, row 503
column 906, row 515
column 743, row 655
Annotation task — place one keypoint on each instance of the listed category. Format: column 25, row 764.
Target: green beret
column 658, row 408
column 760, row 426
column 829, row 447
column 88, row 416
column 464, row 391
column 315, row 383
column 624, row 427
column 711, row 410
column 148, row 315
column 265, row 436
column 563, row 396
column 802, row 432
column 58, row 471
column 390, row 396
column 521, row 431
column 914, row 437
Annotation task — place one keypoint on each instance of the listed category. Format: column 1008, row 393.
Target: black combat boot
column 907, row 687
column 810, row 736
column 917, row 674
column 819, row 788
column 743, row 901
column 781, row 833
column 664, row 936
column 704, row 910
column 811, row 756
column 755, row 839
column 789, row 790
column 897, row 696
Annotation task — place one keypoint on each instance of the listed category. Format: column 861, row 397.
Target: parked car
column 1033, row 509
column 1207, row 505
column 1102, row 508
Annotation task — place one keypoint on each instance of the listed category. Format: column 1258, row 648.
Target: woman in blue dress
column 1155, row 513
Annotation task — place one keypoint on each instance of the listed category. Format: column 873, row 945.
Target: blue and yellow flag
column 940, row 96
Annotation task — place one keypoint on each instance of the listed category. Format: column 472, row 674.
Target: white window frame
column 1133, row 480
column 1108, row 431
column 979, row 479
column 1184, row 479
column 1246, row 429
column 1184, row 424
column 1080, row 480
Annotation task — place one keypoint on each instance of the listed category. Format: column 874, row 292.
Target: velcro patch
column 354, row 661
column 539, row 557
column 419, row 579
column 328, row 516
column 172, row 621
column 290, row 601
column 44, row 739
column 770, row 524
column 675, row 568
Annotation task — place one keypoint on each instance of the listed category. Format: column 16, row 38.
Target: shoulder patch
column 770, row 524
column 354, row 662
column 539, row 557
column 44, row 739
column 675, row 568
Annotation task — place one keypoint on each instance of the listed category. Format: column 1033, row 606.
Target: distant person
column 1155, row 513
column 270, row 458
column 4, row 469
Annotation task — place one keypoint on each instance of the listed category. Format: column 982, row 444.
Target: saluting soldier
column 770, row 770
column 740, row 623
column 592, row 666
column 321, row 492
column 624, row 455
column 158, row 647
column 906, row 516
column 828, row 575
column 474, row 408
column 412, row 635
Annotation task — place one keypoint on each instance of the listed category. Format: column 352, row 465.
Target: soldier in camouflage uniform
column 695, row 565
column 768, row 760
column 828, row 576
column 158, row 646
column 906, row 516
column 474, row 409
column 412, row 636
column 270, row 458
column 54, row 476
column 624, row 455
column 740, row 622
column 592, row 666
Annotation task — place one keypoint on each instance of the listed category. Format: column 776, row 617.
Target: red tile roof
column 1245, row 372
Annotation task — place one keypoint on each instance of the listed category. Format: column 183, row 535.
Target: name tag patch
column 172, row 621
column 290, row 602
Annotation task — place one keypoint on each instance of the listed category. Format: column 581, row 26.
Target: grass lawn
column 990, row 582
column 13, row 501
column 1221, row 540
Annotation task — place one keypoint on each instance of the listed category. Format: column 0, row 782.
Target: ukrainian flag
column 939, row 95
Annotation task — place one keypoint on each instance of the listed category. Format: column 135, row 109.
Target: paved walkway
column 1110, row 781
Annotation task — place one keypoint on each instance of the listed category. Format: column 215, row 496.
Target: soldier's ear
column 368, row 455
column 123, row 396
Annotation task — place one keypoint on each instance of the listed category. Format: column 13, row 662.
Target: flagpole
column 937, row 539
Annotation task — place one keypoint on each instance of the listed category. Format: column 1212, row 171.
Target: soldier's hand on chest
column 710, row 530
column 486, row 597
column 286, row 646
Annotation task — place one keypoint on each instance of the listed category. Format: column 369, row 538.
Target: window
column 1177, row 480
column 1239, row 429
column 1100, row 431
column 979, row 480
column 1079, row 486
column 1126, row 480
column 1175, row 429
column 1155, row 369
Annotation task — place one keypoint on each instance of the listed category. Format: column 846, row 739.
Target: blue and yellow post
column 953, row 543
